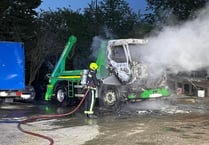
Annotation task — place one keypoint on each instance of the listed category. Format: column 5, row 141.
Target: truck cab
column 128, row 74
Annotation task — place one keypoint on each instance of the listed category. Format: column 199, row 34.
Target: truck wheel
column 61, row 97
column 109, row 98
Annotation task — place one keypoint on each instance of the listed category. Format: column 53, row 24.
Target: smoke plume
column 182, row 48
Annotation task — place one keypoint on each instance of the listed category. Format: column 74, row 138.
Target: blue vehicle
column 12, row 73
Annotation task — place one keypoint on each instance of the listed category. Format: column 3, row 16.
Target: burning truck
column 124, row 77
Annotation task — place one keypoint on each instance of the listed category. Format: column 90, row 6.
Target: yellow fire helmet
column 93, row 66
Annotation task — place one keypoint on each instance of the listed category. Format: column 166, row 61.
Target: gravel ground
column 76, row 135
column 183, row 121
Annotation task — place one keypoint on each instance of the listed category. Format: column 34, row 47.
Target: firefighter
column 92, row 82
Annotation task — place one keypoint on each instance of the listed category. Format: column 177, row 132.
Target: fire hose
column 34, row 118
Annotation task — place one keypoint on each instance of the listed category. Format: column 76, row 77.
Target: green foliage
column 118, row 16
column 17, row 21
column 3, row 6
column 164, row 10
column 140, row 30
column 115, row 15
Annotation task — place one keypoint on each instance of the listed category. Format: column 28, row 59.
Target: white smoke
column 184, row 47
column 96, row 43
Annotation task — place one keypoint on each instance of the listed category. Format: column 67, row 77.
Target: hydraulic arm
column 59, row 72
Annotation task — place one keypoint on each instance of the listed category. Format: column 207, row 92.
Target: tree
column 3, row 7
column 18, row 20
column 115, row 15
column 164, row 10
column 46, row 42
column 141, row 30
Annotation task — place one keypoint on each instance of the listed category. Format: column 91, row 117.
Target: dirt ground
column 163, row 130
column 179, row 121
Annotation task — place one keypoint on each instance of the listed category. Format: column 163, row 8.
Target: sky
column 80, row 4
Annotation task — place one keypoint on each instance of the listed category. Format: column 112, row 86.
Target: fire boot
column 92, row 116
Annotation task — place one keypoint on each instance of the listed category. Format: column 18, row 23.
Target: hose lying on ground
column 34, row 118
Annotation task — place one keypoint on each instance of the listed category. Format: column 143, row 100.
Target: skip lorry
column 123, row 75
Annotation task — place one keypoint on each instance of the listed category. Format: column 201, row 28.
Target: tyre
column 61, row 98
column 109, row 98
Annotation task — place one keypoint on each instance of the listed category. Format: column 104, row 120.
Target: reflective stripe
column 69, row 77
column 88, row 112
column 92, row 101
column 92, row 104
